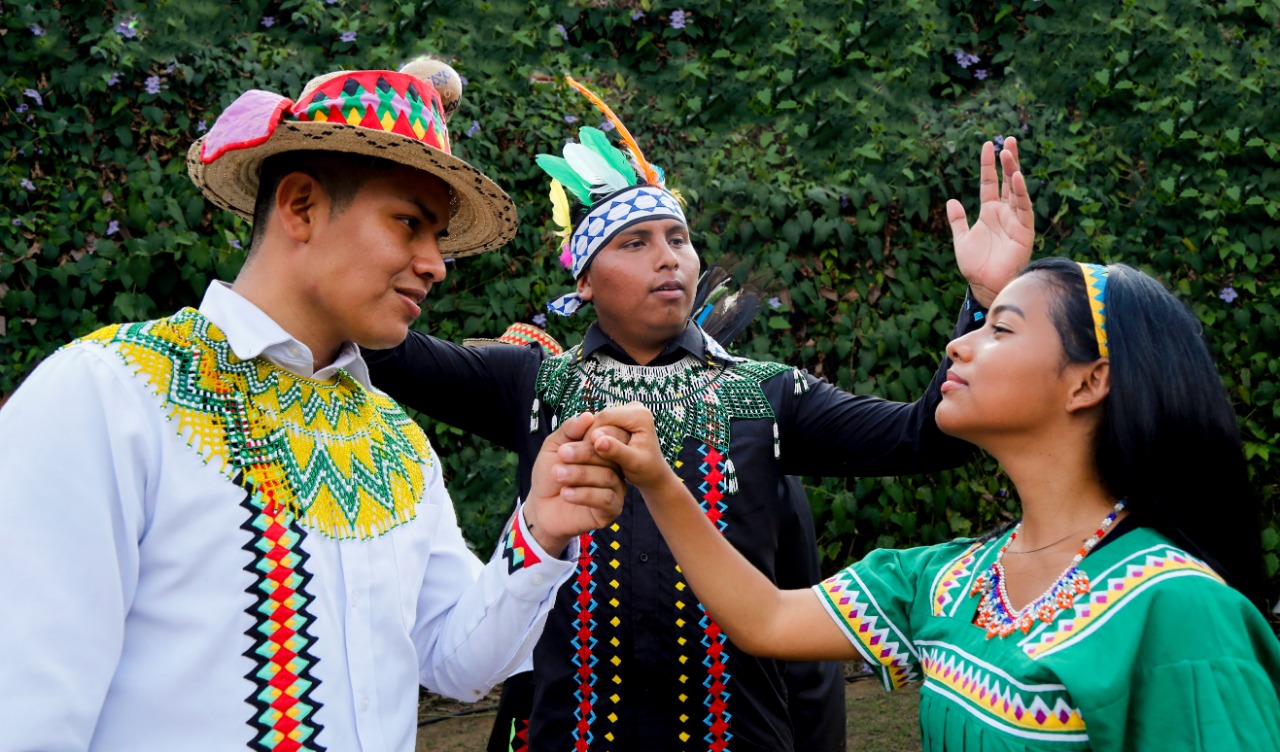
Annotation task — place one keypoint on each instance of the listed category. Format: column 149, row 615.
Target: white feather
column 594, row 169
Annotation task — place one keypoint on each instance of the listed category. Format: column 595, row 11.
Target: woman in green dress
column 1122, row 611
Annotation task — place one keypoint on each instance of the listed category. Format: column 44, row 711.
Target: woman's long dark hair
column 1168, row 441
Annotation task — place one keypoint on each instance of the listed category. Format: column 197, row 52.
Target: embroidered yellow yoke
column 345, row 460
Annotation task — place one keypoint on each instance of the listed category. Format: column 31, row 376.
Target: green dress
column 1160, row 654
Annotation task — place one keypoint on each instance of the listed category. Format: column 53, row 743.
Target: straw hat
column 393, row 115
column 520, row 334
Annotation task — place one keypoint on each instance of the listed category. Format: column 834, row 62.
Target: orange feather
column 650, row 174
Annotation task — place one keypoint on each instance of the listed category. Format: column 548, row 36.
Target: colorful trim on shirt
column 880, row 642
column 716, row 656
column 955, row 579
column 690, row 398
column 584, row 642
column 1112, row 590
column 282, row 660
column 346, row 460
column 1039, row 712
column 515, row 549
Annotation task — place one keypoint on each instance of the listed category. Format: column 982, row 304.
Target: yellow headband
column 1095, row 282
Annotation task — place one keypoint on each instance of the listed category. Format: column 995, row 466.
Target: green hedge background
column 816, row 141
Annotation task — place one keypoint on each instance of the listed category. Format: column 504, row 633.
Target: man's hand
column 639, row 456
column 999, row 244
column 569, row 497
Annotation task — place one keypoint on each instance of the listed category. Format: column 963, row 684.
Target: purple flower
column 463, row 79
column 114, row 79
column 474, row 129
column 152, row 85
column 33, row 95
column 113, row 227
column 17, row 222
column 202, row 126
column 268, row 21
column 540, row 319
column 127, row 29
column 36, row 30
column 1228, row 294
column 560, row 30
column 606, row 126
column 999, row 142
column 22, row 107
column 27, row 185
column 348, row 36
column 980, row 74
column 637, row 15
column 330, row 2
column 844, row 202
column 964, row 59
column 235, row 244
column 775, row 303
column 677, row 19
column 571, row 119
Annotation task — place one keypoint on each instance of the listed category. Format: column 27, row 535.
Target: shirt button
column 537, row 579
column 644, row 557
column 364, row 703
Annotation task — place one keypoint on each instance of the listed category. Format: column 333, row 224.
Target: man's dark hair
column 341, row 175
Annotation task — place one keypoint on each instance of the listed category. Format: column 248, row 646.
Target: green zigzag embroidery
column 185, row 391
column 689, row 398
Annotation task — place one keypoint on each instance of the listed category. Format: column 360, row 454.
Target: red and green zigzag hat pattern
column 380, row 101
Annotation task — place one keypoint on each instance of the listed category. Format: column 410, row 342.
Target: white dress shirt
column 125, row 614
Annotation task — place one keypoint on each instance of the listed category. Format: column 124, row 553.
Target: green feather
column 558, row 168
column 595, row 140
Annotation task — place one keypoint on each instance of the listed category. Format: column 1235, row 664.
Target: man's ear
column 584, row 286
column 1091, row 385
column 299, row 201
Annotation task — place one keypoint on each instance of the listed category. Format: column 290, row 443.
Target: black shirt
column 628, row 659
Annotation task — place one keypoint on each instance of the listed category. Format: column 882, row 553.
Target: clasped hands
column 578, row 476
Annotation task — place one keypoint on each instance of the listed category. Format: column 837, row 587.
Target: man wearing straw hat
column 629, row 660
column 216, row 534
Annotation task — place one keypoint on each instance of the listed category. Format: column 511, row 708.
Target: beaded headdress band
column 1095, row 283
column 592, row 169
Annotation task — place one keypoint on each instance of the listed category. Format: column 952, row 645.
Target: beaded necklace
column 996, row 615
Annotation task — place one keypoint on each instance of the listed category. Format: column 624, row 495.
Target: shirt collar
column 251, row 333
column 692, row 341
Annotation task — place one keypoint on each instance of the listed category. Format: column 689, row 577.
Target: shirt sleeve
column 481, row 390
column 476, row 624
column 1205, row 675
column 830, row 432
column 872, row 601
column 77, row 446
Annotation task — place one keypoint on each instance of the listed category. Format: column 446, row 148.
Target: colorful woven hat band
column 374, row 100
column 1095, row 283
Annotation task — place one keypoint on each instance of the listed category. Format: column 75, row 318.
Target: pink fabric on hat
column 247, row 122
column 566, row 258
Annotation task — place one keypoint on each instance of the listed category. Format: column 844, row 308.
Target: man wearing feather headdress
column 629, row 660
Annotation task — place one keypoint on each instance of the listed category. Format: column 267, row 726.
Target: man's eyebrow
column 427, row 213
column 1010, row 308
column 643, row 232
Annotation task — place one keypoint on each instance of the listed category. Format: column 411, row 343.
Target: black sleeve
column 829, row 432
column 487, row 391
